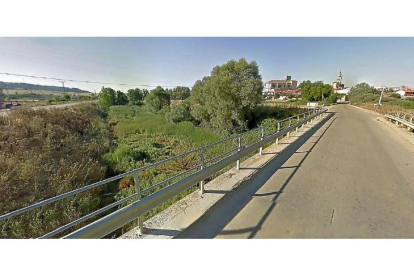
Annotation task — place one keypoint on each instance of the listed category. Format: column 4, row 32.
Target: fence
column 236, row 147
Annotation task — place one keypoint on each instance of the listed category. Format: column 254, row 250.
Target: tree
column 107, row 98
column 145, row 92
column 178, row 113
column 135, row 96
column 66, row 96
column 121, row 98
column 180, row 93
column 225, row 100
column 312, row 91
column 157, row 99
column 361, row 89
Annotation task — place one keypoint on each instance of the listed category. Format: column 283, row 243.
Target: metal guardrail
column 402, row 118
column 137, row 209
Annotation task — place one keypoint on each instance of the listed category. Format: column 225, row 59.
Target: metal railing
column 402, row 118
column 202, row 170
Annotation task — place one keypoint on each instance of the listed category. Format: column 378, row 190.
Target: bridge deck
column 351, row 178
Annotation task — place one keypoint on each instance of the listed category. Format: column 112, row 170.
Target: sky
column 181, row 61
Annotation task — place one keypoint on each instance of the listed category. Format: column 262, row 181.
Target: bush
column 395, row 95
column 178, row 114
column 44, row 153
column 332, row 98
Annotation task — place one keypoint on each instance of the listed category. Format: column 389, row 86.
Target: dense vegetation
column 318, row 91
column 364, row 94
column 108, row 97
column 71, row 148
column 179, row 93
column 225, row 100
column 44, row 153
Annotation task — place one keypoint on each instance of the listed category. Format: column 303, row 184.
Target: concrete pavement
column 351, row 178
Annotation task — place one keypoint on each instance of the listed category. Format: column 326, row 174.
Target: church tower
column 338, row 83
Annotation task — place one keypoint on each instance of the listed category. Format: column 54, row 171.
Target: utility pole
column 63, row 83
column 382, row 93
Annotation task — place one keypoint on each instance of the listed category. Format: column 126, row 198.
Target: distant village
column 288, row 88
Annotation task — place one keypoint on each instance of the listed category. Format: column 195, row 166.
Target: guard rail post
column 201, row 168
column 304, row 116
column 278, row 129
column 238, row 149
column 290, row 123
column 261, row 138
column 138, row 191
column 297, row 121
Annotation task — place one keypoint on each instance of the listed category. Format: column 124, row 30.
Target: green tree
column 180, row 93
column 66, row 96
column 121, row 98
column 157, row 99
column 312, row 91
column 361, row 89
column 145, row 92
column 178, row 113
column 225, row 100
column 135, row 96
column 107, row 98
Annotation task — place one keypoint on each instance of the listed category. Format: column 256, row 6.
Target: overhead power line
column 83, row 81
column 35, row 60
column 65, row 53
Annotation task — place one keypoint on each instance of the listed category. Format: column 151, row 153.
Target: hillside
column 38, row 87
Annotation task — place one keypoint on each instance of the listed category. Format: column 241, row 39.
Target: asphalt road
column 5, row 111
column 351, row 178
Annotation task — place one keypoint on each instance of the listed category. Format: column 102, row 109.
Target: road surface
column 5, row 111
column 351, row 178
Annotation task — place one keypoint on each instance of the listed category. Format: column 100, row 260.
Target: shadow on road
column 220, row 214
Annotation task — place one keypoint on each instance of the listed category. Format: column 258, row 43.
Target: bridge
column 338, row 173
column 352, row 178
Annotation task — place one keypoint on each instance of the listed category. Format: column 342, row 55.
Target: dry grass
column 386, row 109
column 44, row 153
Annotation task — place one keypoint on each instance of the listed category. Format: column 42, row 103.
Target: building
column 338, row 83
column 281, row 85
column 407, row 93
column 344, row 91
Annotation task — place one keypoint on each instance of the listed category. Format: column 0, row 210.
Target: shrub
column 395, row 95
column 178, row 114
column 44, row 153
column 124, row 183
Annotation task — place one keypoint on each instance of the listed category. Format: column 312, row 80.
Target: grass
column 389, row 104
column 145, row 138
column 138, row 122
